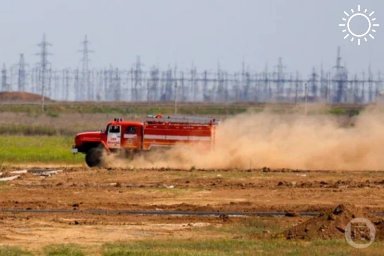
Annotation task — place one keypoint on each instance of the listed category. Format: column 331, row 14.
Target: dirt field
column 78, row 193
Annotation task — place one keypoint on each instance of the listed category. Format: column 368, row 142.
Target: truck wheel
column 94, row 157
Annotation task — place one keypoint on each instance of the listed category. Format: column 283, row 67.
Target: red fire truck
column 156, row 131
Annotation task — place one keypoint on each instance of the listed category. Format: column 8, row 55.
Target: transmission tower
column 21, row 80
column 4, row 84
column 85, row 76
column 66, row 84
column 44, row 63
column 313, row 86
column 137, row 76
column 340, row 78
column 280, row 79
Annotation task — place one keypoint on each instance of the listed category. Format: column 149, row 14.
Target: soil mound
column 328, row 225
column 20, row 97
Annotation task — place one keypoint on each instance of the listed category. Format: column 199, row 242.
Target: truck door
column 114, row 136
column 132, row 137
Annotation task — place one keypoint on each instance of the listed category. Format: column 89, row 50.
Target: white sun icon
column 367, row 21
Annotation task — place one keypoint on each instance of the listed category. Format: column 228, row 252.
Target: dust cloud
column 298, row 141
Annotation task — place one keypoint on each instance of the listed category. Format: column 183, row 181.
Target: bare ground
column 79, row 190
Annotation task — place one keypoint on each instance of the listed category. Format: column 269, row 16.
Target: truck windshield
column 114, row 129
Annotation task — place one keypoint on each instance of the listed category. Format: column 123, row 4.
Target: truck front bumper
column 75, row 150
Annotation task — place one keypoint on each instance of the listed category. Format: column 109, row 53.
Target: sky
column 203, row 33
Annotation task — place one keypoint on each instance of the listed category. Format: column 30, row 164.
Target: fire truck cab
column 156, row 131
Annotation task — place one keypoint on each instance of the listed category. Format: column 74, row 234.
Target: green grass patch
column 63, row 250
column 38, row 130
column 237, row 247
column 346, row 111
column 249, row 228
column 38, row 149
column 206, row 247
column 55, row 109
column 13, row 251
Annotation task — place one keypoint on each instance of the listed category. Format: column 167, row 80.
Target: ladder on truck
column 155, row 119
